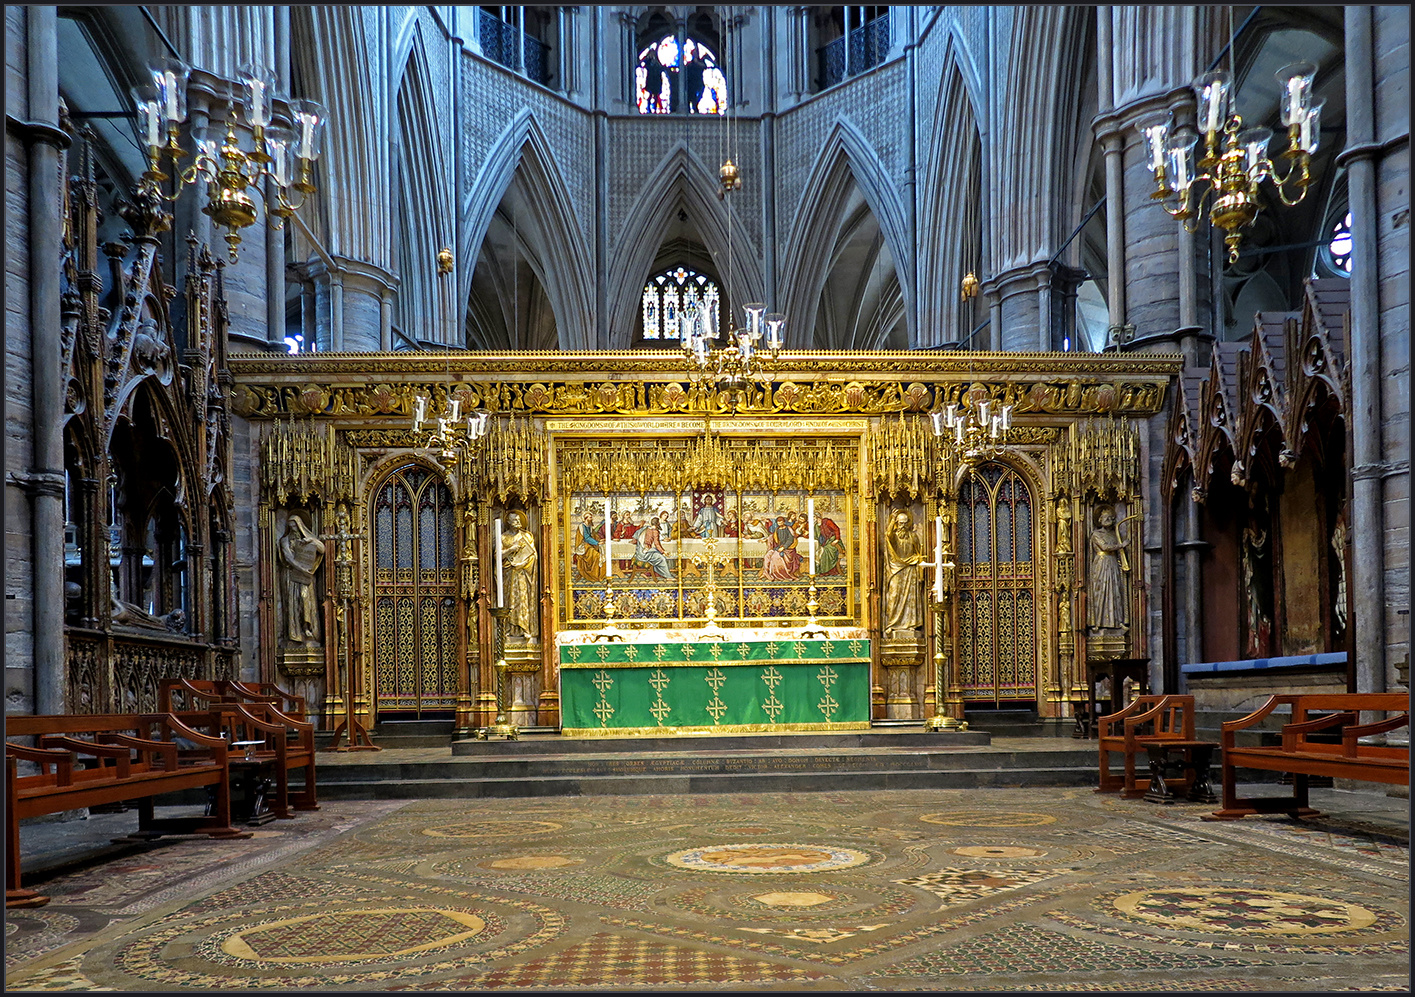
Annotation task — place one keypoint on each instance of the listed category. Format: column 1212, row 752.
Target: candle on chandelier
column 496, row 556
column 811, row 528
column 938, row 558
column 608, row 564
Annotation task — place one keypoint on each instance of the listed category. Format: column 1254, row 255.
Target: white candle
column 1212, row 94
column 170, row 79
column 608, row 564
column 257, row 103
column 938, row 558
column 811, row 531
column 306, row 137
column 496, row 556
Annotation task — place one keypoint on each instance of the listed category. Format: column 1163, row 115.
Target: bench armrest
column 259, row 723
column 1231, row 727
column 1355, row 732
column 166, row 749
column 1105, row 723
column 1291, row 733
column 63, row 761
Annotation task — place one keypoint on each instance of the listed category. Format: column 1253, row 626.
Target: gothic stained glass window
column 667, row 65
column 1339, row 247
column 677, row 296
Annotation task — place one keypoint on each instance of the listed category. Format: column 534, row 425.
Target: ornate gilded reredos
column 375, row 386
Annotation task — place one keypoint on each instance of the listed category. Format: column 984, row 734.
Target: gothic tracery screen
column 414, row 594
column 997, row 640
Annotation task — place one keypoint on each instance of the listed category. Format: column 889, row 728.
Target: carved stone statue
column 1257, row 584
column 1107, row 607
column 1063, row 525
column 903, row 592
column 1338, row 546
column 518, row 563
column 132, row 615
column 301, row 553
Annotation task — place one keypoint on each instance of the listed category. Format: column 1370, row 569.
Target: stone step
column 692, row 763
column 555, row 745
column 745, row 782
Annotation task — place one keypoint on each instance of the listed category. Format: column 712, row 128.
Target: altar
column 753, row 679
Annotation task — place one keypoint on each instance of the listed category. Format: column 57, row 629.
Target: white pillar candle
column 496, row 556
column 938, row 558
column 170, row 89
column 608, row 564
column 811, row 531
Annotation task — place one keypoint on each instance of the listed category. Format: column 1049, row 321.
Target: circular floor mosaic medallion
column 493, row 829
column 988, row 818
column 998, row 851
column 531, row 863
column 1244, row 911
column 767, row 858
column 357, row 936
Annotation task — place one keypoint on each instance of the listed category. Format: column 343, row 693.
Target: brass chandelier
column 285, row 156
column 741, row 362
column 979, row 431
column 1232, row 174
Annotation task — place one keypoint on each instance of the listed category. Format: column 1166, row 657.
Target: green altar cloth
column 667, row 686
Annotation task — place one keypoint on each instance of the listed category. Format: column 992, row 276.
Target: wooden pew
column 86, row 760
column 1145, row 720
column 272, row 741
column 1303, row 757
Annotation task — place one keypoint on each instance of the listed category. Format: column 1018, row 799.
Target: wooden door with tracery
column 997, row 578
column 415, row 625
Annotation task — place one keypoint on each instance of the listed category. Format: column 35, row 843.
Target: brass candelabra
column 503, row 727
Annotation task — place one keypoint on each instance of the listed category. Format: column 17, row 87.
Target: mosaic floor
column 955, row 890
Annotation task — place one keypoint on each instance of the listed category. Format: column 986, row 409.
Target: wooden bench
column 1303, row 757
column 272, row 744
column 86, row 760
column 1145, row 720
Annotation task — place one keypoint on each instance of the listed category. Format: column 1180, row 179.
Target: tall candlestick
column 608, row 564
column 938, row 558
column 496, row 556
column 811, row 530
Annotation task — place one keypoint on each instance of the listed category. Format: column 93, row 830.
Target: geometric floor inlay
column 1028, row 948
column 1244, row 911
column 767, row 858
column 609, row 960
column 991, row 890
column 353, row 935
column 961, row 886
column 988, row 818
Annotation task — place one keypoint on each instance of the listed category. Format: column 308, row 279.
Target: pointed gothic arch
column 952, row 203
column 847, row 168
column 680, row 182
column 424, row 220
column 522, row 166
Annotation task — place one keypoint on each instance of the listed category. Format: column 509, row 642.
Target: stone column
column 1042, row 275
column 1111, row 146
column 275, row 238
column 336, row 311
column 46, row 475
column 1191, row 602
column 1367, row 452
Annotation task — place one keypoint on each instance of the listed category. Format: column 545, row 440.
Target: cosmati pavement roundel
column 764, row 858
column 1244, row 911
